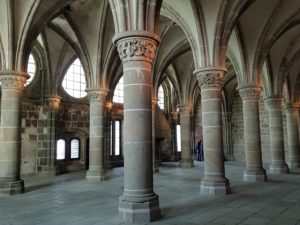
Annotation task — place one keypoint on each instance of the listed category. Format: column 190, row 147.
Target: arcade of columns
column 137, row 45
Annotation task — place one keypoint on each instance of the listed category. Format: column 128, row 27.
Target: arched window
column 75, row 148
column 60, row 149
column 74, row 81
column 119, row 92
column 178, row 138
column 111, row 138
column 31, row 69
column 117, row 138
column 161, row 97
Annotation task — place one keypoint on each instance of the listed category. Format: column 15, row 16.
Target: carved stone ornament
column 185, row 108
column 136, row 48
column 210, row 80
column 11, row 80
column 54, row 101
column 250, row 93
column 97, row 94
column 273, row 103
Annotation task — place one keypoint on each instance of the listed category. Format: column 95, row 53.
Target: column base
column 11, row 187
column 186, row 163
column 279, row 169
column 139, row 212
column 294, row 164
column 218, row 187
column 255, row 176
column 96, row 176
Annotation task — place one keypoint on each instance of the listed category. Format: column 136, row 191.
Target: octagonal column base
column 11, row 187
column 139, row 212
column 215, row 187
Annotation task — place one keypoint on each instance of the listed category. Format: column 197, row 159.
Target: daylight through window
column 74, row 81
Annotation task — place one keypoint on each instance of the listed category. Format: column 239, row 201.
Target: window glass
column 60, row 149
column 74, row 149
column 178, row 138
column 74, row 81
column 119, row 92
column 117, row 138
column 161, row 97
column 31, row 69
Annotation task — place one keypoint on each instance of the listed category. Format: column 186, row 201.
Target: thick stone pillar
column 154, row 150
column 228, row 136
column 138, row 203
column 278, row 165
column 96, row 172
column 186, row 134
column 292, row 117
column 254, row 168
column 214, row 181
column 47, row 141
column 12, row 85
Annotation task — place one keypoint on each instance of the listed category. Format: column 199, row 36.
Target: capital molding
column 185, row 108
column 273, row 102
column 13, row 80
column 97, row 94
column 136, row 48
column 250, row 92
column 54, row 101
column 210, row 77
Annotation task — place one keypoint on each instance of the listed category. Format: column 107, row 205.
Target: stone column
column 278, row 165
column 47, row 152
column 96, row 172
column 185, row 126
column 292, row 117
column 12, row 85
column 228, row 136
column 174, row 116
column 254, row 168
column 108, row 136
column 214, row 181
column 154, row 150
column 138, row 203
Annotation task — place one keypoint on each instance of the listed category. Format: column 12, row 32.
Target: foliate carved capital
column 273, row 102
column 97, row 94
column 174, row 116
column 136, row 49
column 13, row 80
column 250, row 93
column 211, row 77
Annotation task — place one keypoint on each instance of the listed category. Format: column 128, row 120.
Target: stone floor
column 69, row 199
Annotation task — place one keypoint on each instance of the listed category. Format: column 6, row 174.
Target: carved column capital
column 13, row 80
column 97, row 94
column 54, row 101
column 136, row 48
column 250, row 92
column 174, row 116
column 185, row 108
column 274, row 102
column 210, row 77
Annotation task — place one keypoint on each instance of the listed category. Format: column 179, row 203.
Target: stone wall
column 73, row 118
